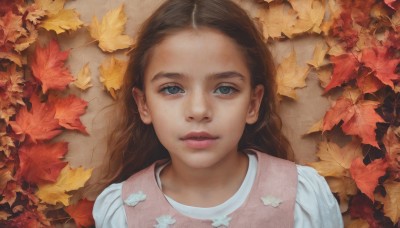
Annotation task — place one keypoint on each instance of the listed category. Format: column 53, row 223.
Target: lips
column 199, row 140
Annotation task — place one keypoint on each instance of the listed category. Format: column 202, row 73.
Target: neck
column 205, row 187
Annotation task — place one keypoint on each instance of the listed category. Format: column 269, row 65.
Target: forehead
column 196, row 52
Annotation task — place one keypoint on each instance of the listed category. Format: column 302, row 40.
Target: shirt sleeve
column 315, row 205
column 108, row 209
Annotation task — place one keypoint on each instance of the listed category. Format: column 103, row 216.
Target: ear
column 140, row 100
column 255, row 102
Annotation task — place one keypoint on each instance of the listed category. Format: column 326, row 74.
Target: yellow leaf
column 276, row 19
column 344, row 187
column 112, row 73
column 68, row 180
column 83, row 81
column 311, row 13
column 109, row 32
column 335, row 48
column 4, row 215
column 24, row 42
column 52, row 7
column 319, row 55
column 324, row 75
column 315, row 127
column 64, row 20
column 392, row 200
column 336, row 161
column 290, row 76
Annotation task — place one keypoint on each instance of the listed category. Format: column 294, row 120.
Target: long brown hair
column 133, row 145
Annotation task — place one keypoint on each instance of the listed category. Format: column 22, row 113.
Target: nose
column 198, row 107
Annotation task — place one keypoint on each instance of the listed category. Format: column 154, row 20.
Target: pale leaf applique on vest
column 164, row 221
column 222, row 221
column 271, row 201
column 135, row 198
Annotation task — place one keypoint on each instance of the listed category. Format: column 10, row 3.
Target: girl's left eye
column 225, row 90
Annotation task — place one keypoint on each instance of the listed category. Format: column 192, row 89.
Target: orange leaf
column 48, row 67
column 42, row 163
column 68, row 111
column 345, row 69
column 38, row 123
column 82, row 213
column 366, row 176
column 378, row 61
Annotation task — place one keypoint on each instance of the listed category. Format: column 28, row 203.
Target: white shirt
column 315, row 205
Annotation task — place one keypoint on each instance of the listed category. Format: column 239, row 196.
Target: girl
column 199, row 141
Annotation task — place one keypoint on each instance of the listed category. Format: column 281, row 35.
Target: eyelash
column 165, row 89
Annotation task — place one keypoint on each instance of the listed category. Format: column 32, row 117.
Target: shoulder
column 315, row 204
column 108, row 209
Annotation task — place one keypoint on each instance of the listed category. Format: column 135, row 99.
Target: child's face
column 198, row 96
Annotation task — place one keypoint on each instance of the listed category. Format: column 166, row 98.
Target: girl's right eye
column 170, row 90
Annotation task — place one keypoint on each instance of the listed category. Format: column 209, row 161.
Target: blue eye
column 225, row 90
column 172, row 90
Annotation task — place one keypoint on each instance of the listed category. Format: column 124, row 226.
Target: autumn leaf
column 366, row 176
column 359, row 118
column 335, row 161
column 343, row 29
column 112, row 73
column 48, row 67
column 392, row 200
column 276, row 20
column 68, row 180
column 392, row 146
column 316, row 127
column 319, row 55
column 368, row 83
column 25, row 41
column 11, row 27
column 68, row 111
column 5, row 177
column 345, row 187
column 11, row 91
column 109, row 32
column 41, row 163
column 83, row 81
column 64, row 20
column 324, row 75
column 82, row 213
column 362, row 207
column 345, row 68
column 9, row 193
column 310, row 15
column 39, row 123
column 290, row 76
column 51, row 6
column 383, row 67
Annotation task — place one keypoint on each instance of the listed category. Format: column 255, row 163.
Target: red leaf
column 48, row 67
column 362, row 207
column 358, row 118
column 366, row 176
column 68, row 111
column 82, row 213
column 41, row 163
column 345, row 68
column 368, row 83
column 378, row 61
column 343, row 30
column 38, row 123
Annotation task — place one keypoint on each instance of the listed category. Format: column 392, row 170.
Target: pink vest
column 276, row 183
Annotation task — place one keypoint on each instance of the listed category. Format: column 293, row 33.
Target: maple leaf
column 359, row 118
column 366, row 176
column 82, row 213
column 392, row 145
column 51, row 6
column 41, row 163
column 11, row 91
column 310, row 15
column 362, row 207
column 38, row 123
column 5, row 177
column 290, row 76
column 276, row 19
column 344, row 187
column 343, row 29
column 26, row 219
column 112, row 73
column 68, row 180
column 335, row 161
column 33, row 13
column 12, row 57
column 378, row 61
column 68, row 111
column 83, row 81
column 345, row 68
column 368, row 83
column 109, row 32
column 391, row 204
column 9, row 193
column 11, row 27
column 48, row 67
column 319, row 55
column 324, row 75
column 25, row 41
column 64, row 20
column 6, row 143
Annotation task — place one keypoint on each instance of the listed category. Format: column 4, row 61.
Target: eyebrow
column 214, row 76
